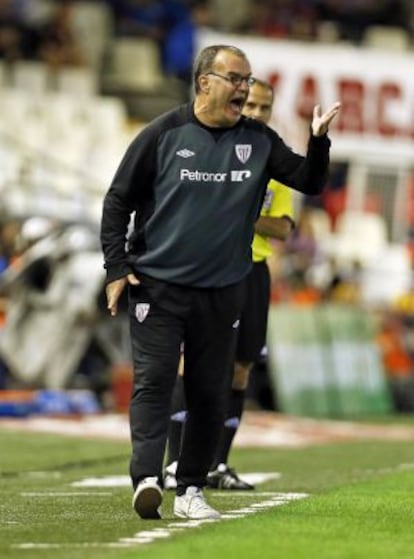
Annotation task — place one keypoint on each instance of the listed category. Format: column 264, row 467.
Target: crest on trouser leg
column 141, row 311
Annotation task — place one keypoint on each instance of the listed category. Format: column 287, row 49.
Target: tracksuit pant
column 162, row 316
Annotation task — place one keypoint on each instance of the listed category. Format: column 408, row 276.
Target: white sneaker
column 192, row 505
column 170, row 481
column 147, row 498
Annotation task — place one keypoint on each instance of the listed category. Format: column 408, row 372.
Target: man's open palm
column 320, row 122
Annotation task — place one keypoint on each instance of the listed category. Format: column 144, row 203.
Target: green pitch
column 350, row 500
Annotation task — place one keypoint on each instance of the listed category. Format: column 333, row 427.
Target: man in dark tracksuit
column 194, row 179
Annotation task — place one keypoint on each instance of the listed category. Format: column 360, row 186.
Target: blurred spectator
column 232, row 16
column 397, row 360
column 301, row 259
column 354, row 16
column 285, row 18
column 9, row 245
column 179, row 44
column 345, row 284
column 301, row 248
column 33, row 13
column 9, row 234
column 170, row 23
column 58, row 44
column 33, row 229
column 58, row 275
column 333, row 199
column 143, row 18
column 17, row 39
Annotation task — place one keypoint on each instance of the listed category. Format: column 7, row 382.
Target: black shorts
column 253, row 323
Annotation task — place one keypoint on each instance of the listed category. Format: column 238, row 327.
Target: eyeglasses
column 235, row 79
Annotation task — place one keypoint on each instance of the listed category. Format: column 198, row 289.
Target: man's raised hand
column 321, row 122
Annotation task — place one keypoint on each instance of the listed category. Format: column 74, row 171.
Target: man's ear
column 204, row 84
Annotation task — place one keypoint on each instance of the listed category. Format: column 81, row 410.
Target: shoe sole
column 183, row 515
column 147, row 503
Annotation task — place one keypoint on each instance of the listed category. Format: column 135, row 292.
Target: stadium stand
column 63, row 128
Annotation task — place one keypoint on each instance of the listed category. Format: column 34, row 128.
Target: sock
column 177, row 419
column 230, row 427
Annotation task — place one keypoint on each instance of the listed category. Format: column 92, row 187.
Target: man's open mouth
column 237, row 104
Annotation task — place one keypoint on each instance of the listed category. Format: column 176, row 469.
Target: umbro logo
column 185, row 153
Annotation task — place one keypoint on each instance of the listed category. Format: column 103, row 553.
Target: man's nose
column 244, row 85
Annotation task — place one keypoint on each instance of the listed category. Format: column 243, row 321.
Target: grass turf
column 360, row 504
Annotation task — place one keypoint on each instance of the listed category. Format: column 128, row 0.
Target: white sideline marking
column 48, row 475
column 224, row 494
column 67, row 545
column 107, row 481
column 149, row 536
column 125, row 481
column 66, row 494
column 260, row 477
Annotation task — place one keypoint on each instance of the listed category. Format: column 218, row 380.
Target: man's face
column 259, row 103
column 226, row 98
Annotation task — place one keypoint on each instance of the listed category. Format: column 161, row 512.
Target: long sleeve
column 130, row 186
column 305, row 174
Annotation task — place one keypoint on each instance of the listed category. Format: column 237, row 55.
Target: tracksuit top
column 195, row 193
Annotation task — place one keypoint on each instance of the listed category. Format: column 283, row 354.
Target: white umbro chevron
column 185, row 153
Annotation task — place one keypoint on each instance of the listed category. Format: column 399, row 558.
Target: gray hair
column 206, row 58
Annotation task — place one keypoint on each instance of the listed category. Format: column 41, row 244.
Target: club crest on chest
column 243, row 152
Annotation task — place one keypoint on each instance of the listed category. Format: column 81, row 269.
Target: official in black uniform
column 194, row 179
